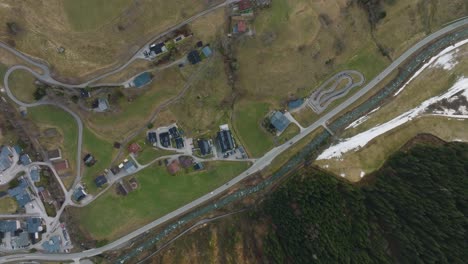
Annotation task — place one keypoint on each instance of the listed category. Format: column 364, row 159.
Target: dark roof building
column 165, row 140
column 194, row 57
column 84, row 93
column 152, row 138
column 204, row 146
column 25, row 159
column 200, row 44
column 158, row 48
column 100, row 181
column 174, row 132
column 198, row 166
column 142, row 79
column 225, row 140
column 179, row 142
column 79, row 194
column 279, row 121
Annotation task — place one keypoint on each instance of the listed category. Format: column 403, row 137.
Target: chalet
column 100, row 181
column 165, row 140
column 204, row 146
column 225, row 140
column 179, row 142
column 194, row 57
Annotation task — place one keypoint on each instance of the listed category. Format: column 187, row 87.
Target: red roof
column 174, row 167
column 244, row 5
column 60, row 165
column 241, row 26
column 134, row 148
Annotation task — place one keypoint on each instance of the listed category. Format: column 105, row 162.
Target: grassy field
column 8, row 205
column 135, row 113
column 22, row 85
column 374, row 154
column 431, row 82
column 53, row 117
column 3, row 69
column 96, row 35
column 291, row 131
column 111, row 216
column 148, row 153
column 87, row 15
column 248, row 119
column 103, row 151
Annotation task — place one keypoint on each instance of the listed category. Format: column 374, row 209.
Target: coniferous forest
column 413, row 210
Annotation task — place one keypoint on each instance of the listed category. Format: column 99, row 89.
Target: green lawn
column 111, row 216
column 247, row 122
column 102, row 150
column 51, row 116
column 8, row 205
column 22, row 85
column 86, row 15
column 3, row 69
column 148, row 153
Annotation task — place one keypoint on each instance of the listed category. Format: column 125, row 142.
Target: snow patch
column 362, row 174
column 362, row 119
column 431, row 61
column 446, row 61
column 358, row 141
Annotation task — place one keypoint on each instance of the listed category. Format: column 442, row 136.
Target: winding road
column 258, row 165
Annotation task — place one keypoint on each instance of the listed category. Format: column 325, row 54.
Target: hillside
column 413, row 210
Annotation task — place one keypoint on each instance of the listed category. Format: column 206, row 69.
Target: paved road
column 47, row 78
column 257, row 166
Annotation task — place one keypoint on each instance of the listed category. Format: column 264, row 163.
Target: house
column 35, row 175
column 60, row 165
column 185, row 161
column 179, row 142
column 79, row 194
column 89, row 160
column 25, row 159
column 225, row 139
column 101, row 104
column 279, row 121
column 100, row 181
column 173, row 167
column 207, row 51
column 6, row 158
column 164, row 139
column 129, row 167
column 9, row 226
column 152, row 137
column 55, row 154
column 174, row 132
column 158, row 48
column 198, row 166
column 204, row 146
column 115, row 170
column 134, row 148
column 194, row 57
column 142, row 79
column 20, row 193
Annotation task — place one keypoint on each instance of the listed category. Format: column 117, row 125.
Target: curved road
column 257, row 166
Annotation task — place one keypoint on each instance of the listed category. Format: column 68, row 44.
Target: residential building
column 79, row 194
column 158, row 48
column 152, row 137
column 20, row 193
column 9, row 226
column 100, row 181
column 165, row 140
column 35, row 174
column 279, row 121
column 134, row 148
column 194, row 57
column 179, row 38
column 174, row 132
column 60, row 165
column 204, row 146
column 129, row 167
column 84, row 93
column 179, row 142
column 225, row 139
column 25, row 159
column 173, row 167
column 6, row 158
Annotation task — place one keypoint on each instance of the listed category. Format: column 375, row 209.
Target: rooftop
column 54, row 154
column 194, row 57
column 6, row 158
column 35, row 175
column 205, row 147
column 34, row 224
column 173, row 167
column 60, row 165
column 100, row 180
column 142, row 79
column 152, row 138
column 25, row 159
column 134, row 148
column 52, row 245
column 225, row 140
column 279, row 121
column 207, row 51
column 9, row 225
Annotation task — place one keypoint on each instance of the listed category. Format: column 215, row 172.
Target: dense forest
column 415, row 210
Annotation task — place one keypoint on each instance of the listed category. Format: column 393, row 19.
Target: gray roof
column 21, row 241
column 279, row 121
column 33, row 224
column 8, row 226
column 5, row 158
column 35, row 176
column 20, row 193
column 52, row 245
column 130, row 167
column 103, row 105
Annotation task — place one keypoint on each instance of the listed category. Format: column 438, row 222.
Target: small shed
column 207, row 51
column 134, row 148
